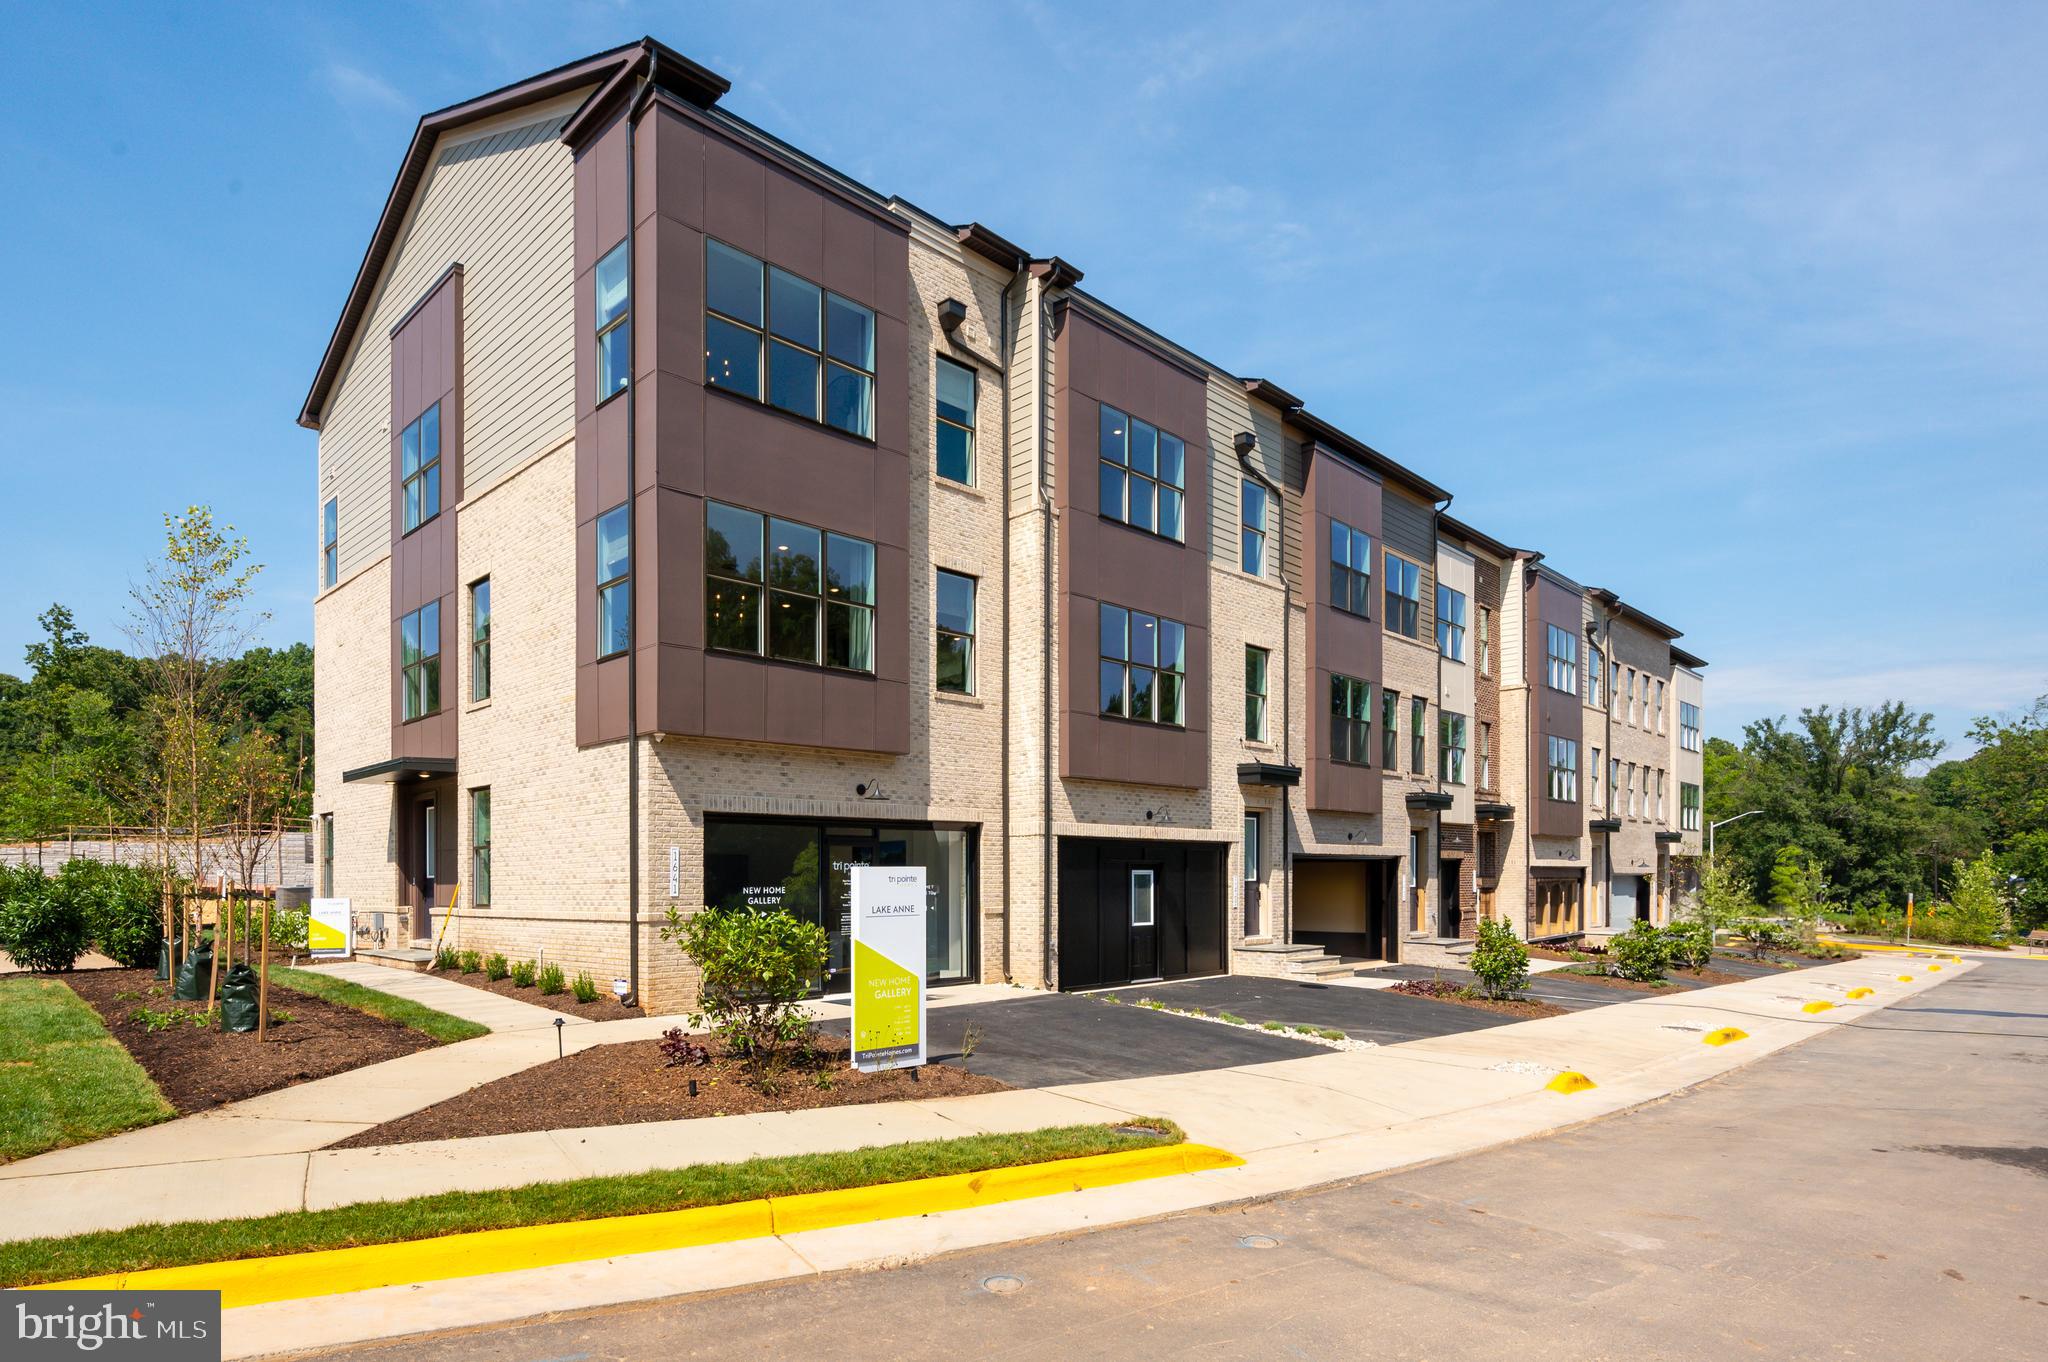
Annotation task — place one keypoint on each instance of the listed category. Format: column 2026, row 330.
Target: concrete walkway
column 479, row 1005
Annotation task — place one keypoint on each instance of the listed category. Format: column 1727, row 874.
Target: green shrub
column 1690, row 942
column 1273, row 1025
column 1500, row 959
column 471, row 962
column 495, row 967
column 551, row 979
column 123, row 908
column 754, row 971
column 41, row 927
column 1232, row 1018
column 1760, row 933
column 446, row 958
column 523, row 973
column 584, row 987
column 1642, row 953
column 1331, row 1033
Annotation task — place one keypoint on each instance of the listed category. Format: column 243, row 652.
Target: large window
column 1350, row 720
column 955, row 618
column 419, row 459
column 1593, row 778
column 1144, row 474
column 1418, row 720
column 419, row 661
column 1255, row 660
column 613, row 321
column 1390, row 729
column 614, row 581
column 1252, row 541
column 820, row 590
column 1404, row 597
column 1561, row 659
column 1485, row 756
column 1350, row 568
column 1564, row 770
column 330, row 543
column 1595, row 669
column 820, row 347
column 480, row 848
column 1485, row 641
column 1144, row 666
column 1450, row 748
column 954, row 429
column 1660, row 704
column 1450, row 623
column 1688, row 807
column 1688, row 726
column 480, row 640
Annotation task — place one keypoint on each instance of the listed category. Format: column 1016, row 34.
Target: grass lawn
column 63, row 1079
column 711, row 1184
column 404, row 1011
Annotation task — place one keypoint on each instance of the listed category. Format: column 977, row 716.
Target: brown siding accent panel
column 426, row 368
column 1553, row 713
column 1339, row 642
column 1485, row 684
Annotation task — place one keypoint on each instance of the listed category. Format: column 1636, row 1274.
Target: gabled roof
column 604, row 71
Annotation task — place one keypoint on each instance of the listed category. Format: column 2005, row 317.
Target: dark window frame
column 1562, row 765
column 1350, row 584
column 480, row 640
column 1129, row 666
column 765, row 590
column 1251, row 547
column 1256, row 695
column 1403, row 591
column 419, row 670
column 415, row 485
column 1160, row 486
column 1390, row 729
column 1450, row 624
column 1561, row 667
column 1350, row 720
column 1452, row 731
column 767, row 336
column 620, row 582
column 1418, row 728
column 942, row 422
column 965, row 638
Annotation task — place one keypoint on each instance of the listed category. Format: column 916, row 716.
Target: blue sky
column 1739, row 309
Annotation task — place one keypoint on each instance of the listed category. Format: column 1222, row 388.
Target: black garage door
column 1178, row 885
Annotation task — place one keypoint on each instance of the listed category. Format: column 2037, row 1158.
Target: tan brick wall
column 352, row 727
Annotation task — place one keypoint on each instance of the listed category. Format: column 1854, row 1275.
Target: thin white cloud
column 1966, row 685
column 362, row 91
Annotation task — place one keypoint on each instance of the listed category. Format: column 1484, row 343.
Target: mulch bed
column 606, row 1008
column 1580, row 954
column 617, row 1085
column 1708, row 976
column 1442, row 991
column 200, row 1066
column 1613, row 981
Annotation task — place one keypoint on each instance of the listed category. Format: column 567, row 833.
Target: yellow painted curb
column 328, row 1272
column 1726, row 1035
column 1817, row 1006
column 1859, row 993
column 1571, row 1080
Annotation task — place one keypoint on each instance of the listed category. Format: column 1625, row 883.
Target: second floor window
column 1450, row 748
column 419, row 662
column 1564, row 770
column 1561, row 659
column 1595, row 669
column 480, row 640
column 614, row 582
column 1688, row 726
column 1485, row 641
column 1350, row 568
column 1144, row 474
column 819, row 587
column 953, row 431
column 1144, row 666
column 1390, row 729
column 1404, row 597
column 1252, row 542
column 1255, row 660
column 1630, row 771
column 330, row 543
column 1450, row 623
column 614, row 331
column 419, row 466
column 1631, row 696
column 820, row 347
column 1688, row 807
column 1593, row 778
column 1350, row 720
column 955, row 617
column 1659, row 706
column 1418, row 720
column 1486, row 756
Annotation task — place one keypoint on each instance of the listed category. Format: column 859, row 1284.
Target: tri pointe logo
column 89, row 1330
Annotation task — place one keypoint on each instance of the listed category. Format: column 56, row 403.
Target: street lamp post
column 1722, row 824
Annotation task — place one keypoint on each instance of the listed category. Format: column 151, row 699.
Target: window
column 1660, row 704
column 1350, row 720
column 1688, row 726
column 1450, row 623
column 1613, row 685
column 1144, row 666
column 1485, row 641
column 1252, row 863
column 1593, row 777
column 614, row 334
column 419, row 662
column 1252, row 511
column 419, row 467
column 1144, row 474
column 1631, row 696
column 1390, row 729
column 1418, row 713
column 1404, row 597
column 327, row 854
column 1688, row 807
column 820, row 347
column 1564, row 770
column 1562, row 659
column 1630, row 769
column 1450, row 748
column 1142, row 884
column 330, row 541
column 1255, row 660
column 480, row 640
column 480, row 848
column 1350, row 568
column 955, row 667
column 1485, row 756
column 1614, row 783
column 1660, row 795
column 953, row 435
column 614, row 582
column 1596, row 670
column 820, row 590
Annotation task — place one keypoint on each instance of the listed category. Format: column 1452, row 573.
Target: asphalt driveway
column 1361, row 1013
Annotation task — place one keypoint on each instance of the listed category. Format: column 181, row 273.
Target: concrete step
column 1320, row 967
column 415, row 958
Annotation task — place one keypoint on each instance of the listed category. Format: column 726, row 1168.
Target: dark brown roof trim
column 1614, row 602
column 1056, row 272
column 1364, row 453
column 1458, row 529
column 1268, row 391
column 454, row 271
column 1686, row 659
column 989, row 246
column 673, row 74
column 1112, row 321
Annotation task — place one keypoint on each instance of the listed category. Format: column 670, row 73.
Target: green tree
column 2001, row 793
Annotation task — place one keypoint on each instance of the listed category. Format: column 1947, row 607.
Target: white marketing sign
column 888, row 966
column 330, row 929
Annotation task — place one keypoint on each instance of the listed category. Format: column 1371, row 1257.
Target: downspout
column 1436, row 816
column 1607, row 730
column 1044, row 344
column 633, row 302
column 1245, row 443
column 1007, row 350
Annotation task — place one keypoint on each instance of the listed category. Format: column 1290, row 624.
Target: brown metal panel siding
column 1339, row 642
column 1486, row 685
column 1411, row 532
column 1103, row 560
column 426, row 367
column 1554, row 713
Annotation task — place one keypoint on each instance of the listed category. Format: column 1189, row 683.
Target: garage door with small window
column 1132, row 910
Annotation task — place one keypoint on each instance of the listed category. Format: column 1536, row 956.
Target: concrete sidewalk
column 479, row 1005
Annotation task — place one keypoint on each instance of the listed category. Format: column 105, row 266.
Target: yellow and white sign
column 328, row 929
column 888, row 966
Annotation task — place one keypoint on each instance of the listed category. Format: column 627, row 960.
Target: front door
column 1449, row 907
column 1144, row 923
column 423, row 907
column 1486, row 909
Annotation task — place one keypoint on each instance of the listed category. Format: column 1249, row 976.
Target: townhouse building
column 697, row 523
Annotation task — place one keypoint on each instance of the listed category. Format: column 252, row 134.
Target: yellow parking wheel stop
column 1905, row 978
column 1935, row 968
column 1725, row 1035
column 1817, row 1006
column 1571, row 1080
column 1859, row 993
